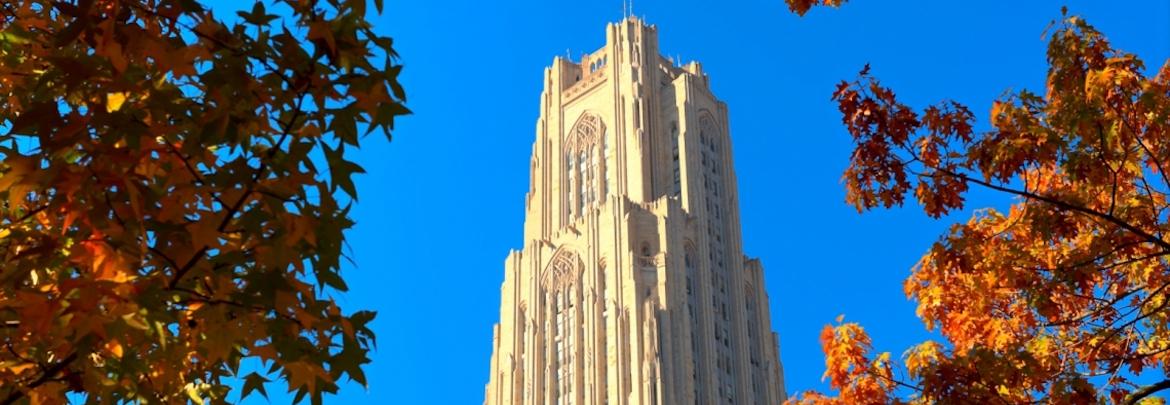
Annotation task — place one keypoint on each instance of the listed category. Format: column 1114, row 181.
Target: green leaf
column 258, row 16
column 332, row 279
column 349, row 362
column 358, row 7
column 391, row 74
column 344, row 126
column 300, row 395
column 191, row 6
column 385, row 117
column 340, row 170
column 254, row 382
column 13, row 37
column 386, row 43
column 359, row 320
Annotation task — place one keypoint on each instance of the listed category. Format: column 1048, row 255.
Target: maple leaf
column 170, row 221
column 1070, row 283
column 800, row 7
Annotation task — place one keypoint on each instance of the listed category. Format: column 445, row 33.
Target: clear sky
column 443, row 203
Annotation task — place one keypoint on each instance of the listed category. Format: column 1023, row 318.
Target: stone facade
column 632, row 287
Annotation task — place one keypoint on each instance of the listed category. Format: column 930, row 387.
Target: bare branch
column 1145, row 391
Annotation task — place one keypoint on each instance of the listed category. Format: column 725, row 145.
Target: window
column 605, row 163
column 572, row 181
column 677, row 164
column 583, row 171
column 583, row 188
column 564, row 346
column 592, row 176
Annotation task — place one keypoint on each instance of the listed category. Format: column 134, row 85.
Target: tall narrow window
column 583, row 188
column 564, row 342
column 593, row 178
column 605, row 164
column 570, row 183
column 676, row 163
column 583, row 172
column 559, row 281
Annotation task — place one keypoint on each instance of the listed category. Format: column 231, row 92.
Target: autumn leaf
column 114, row 101
column 254, row 382
column 1062, row 298
column 162, row 217
column 800, row 7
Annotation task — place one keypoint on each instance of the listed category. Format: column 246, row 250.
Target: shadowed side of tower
column 632, row 286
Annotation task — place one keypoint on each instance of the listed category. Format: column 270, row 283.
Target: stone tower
column 632, row 287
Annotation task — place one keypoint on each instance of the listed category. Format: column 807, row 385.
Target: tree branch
column 1145, row 391
column 235, row 208
column 45, row 377
column 1061, row 204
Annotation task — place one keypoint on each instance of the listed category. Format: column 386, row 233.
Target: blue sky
column 442, row 204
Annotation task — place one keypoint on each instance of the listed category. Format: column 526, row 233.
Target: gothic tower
column 632, row 287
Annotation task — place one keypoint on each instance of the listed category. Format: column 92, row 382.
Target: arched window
column 586, row 180
column 563, row 339
column 560, row 282
column 712, row 174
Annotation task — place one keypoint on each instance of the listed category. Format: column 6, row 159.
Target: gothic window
column 709, row 136
column 560, row 280
column 564, row 344
column 572, row 180
column 605, row 161
column 593, row 175
column 583, row 171
column 583, row 188
column 677, row 166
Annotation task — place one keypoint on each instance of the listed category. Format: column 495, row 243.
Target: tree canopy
column 174, row 192
column 1062, row 298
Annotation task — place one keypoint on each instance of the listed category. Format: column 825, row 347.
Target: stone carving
column 646, row 262
column 585, row 133
column 652, row 261
column 707, row 124
column 563, row 270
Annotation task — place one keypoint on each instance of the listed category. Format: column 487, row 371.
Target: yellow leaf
column 132, row 320
column 115, row 348
column 114, row 101
column 18, row 169
column 15, row 367
column 193, row 393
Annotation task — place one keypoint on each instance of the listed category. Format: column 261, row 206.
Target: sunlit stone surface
column 632, row 286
